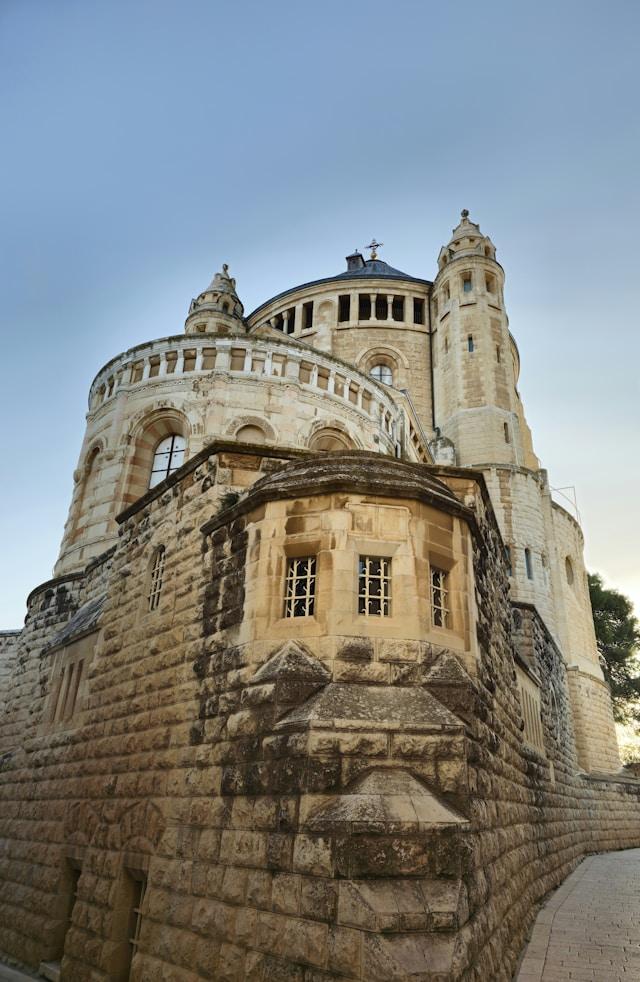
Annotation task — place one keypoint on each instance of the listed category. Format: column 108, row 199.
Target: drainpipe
column 433, row 394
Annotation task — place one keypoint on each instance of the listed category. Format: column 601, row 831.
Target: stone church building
column 314, row 692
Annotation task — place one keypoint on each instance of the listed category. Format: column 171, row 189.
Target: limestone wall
column 8, row 650
column 575, row 620
column 378, row 338
column 205, row 389
column 304, row 804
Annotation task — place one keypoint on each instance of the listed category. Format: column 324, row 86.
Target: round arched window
column 381, row 373
column 251, row 434
column 168, row 457
column 328, row 440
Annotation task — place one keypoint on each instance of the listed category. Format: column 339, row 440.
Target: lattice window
column 300, row 591
column 135, row 921
column 155, row 581
column 66, row 696
column 169, row 455
column 531, row 710
column 440, row 609
column 374, row 586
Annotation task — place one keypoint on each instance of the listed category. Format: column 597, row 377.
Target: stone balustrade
column 255, row 357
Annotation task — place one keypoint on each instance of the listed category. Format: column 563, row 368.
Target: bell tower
column 476, row 363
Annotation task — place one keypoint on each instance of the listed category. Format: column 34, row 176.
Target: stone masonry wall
column 8, row 650
column 371, row 816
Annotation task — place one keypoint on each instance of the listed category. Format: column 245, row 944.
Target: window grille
column 155, row 583
column 381, row 373
column 418, row 311
column 168, row 457
column 374, row 586
column 531, row 710
column 440, row 598
column 135, row 923
column 300, row 591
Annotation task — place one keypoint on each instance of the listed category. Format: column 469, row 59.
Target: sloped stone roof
column 84, row 621
column 391, row 708
column 382, row 799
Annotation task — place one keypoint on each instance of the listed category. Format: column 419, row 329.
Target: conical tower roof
column 466, row 239
column 219, row 302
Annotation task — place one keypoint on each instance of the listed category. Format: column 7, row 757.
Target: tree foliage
column 618, row 640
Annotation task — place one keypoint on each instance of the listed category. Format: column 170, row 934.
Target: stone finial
column 222, row 282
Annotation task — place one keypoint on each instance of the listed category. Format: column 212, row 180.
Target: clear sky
column 145, row 142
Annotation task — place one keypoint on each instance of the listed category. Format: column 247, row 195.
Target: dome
column 357, row 268
column 375, row 267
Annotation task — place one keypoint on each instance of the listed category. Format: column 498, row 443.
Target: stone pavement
column 589, row 929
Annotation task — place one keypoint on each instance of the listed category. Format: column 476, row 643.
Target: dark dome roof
column 371, row 268
column 376, row 267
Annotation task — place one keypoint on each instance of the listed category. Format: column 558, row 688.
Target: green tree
column 618, row 640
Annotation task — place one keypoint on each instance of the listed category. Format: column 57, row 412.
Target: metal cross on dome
column 374, row 246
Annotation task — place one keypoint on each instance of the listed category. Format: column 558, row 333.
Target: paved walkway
column 589, row 929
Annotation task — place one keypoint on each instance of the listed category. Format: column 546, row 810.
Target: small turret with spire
column 466, row 240
column 218, row 309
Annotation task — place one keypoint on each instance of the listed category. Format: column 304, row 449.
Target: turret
column 217, row 310
column 477, row 405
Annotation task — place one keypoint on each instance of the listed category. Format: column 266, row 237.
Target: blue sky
column 145, row 143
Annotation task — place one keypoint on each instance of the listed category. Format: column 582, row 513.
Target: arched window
column 381, row 373
column 329, row 439
column 251, row 434
column 568, row 568
column 168, row 456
